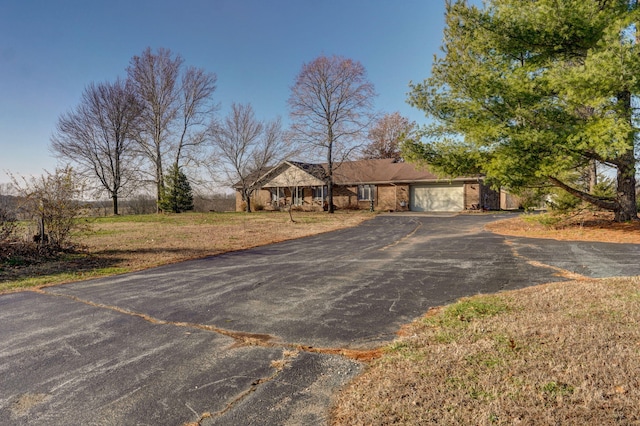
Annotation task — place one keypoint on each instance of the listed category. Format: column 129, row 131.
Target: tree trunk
column 42, row 238
column 291, row 213
column 330, row 171
column 593, row 176
column 626, row 171
column 115, row 204
column 159, row 179
column 330, row 195
column 626, row 179
column 247, row 201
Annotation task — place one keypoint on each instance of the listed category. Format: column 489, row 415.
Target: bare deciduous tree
column 196, row 109
column 386, row 135
column 330, row 106
column 245, row 147
column 98, row 136
column 177, row 108
column 155, row 79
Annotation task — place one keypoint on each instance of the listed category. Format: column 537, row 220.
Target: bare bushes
column 51, row 205
column 15, row 248
column 8, row 225
column 54, row 201
column 9, row 240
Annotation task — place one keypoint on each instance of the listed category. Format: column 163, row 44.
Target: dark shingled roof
column 379, row 171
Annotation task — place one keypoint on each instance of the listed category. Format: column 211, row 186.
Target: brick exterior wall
column 259, row 198
column 472, row 196
column 393, row 198
column 239, row 203
column 386, row 198
column 479, row 196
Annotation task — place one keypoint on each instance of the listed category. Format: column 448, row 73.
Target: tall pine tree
column 528, row 92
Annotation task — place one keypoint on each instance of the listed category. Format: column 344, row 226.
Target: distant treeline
column 140, row 204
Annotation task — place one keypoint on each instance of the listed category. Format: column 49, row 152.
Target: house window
column 298, row 196
column 366, row 192
column 319, row 193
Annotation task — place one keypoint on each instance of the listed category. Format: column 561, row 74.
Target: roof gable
column 295, row 174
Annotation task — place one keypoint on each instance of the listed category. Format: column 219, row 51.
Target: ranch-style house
column 384, row 184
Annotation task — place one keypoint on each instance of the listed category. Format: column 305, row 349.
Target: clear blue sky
column 51, row 49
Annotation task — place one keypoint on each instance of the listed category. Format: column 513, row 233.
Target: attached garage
column 437, row 197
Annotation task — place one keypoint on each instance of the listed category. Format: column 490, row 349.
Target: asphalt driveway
column 249, row 337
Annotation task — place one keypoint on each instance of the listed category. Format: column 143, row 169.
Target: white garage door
column 437, row 198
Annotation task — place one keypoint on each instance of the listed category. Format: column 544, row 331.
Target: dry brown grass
column 189, row 236
column 130, row 243
column 565, row 353
column 558, row 354
column 590, row 226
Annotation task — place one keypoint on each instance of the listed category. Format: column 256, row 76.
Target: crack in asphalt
column 236, row 400
column 242, row 395
column 241, row 339
column 409, row 235
column 561, row 272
